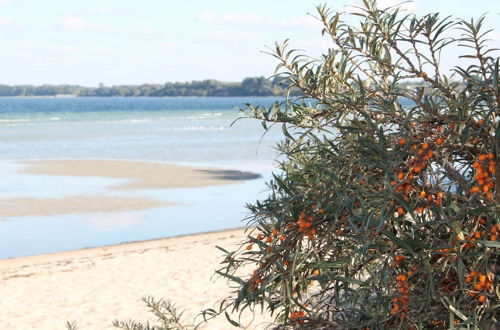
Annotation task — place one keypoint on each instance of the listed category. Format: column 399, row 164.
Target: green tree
column 384, row 213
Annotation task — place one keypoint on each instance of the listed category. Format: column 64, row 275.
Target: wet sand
column 141, row 175
column 136, row 175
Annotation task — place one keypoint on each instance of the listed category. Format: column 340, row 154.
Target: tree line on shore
column 252, row 86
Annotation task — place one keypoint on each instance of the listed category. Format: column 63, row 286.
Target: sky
column 114, row 42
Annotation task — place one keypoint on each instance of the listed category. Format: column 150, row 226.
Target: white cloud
column 5, row 21
column 78, row 23
column 207, row 16
column 167, row 45
column 251, row 18
column 233, row 34
column 108, row 11
column 383, row 4
column 74, row 23
column 409, row 6
column 299, row 22
column 246, row 18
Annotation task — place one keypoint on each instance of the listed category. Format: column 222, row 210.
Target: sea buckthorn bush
column 384, row 212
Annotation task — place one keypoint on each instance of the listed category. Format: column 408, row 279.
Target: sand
column 140, row 175
column 98, row 285
column 30, row 206
column 136, row 175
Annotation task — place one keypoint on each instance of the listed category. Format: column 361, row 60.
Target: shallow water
column 194, row 131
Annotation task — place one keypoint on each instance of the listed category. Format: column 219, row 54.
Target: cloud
column 409, row 6
column 233, row 35
column 78, row 23
column 108, row 11
column 74, row 23
column 168, row 45
column 383, row 4
column 207, row 16
column 254, row 19
column 5, row 21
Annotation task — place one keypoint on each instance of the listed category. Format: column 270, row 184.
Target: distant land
column 255, row 86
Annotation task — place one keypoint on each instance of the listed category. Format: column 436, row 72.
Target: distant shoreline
column 248, row 87
column 129, row 97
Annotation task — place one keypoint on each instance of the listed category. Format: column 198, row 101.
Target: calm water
column 193, row 131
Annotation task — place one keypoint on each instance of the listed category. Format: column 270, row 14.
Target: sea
column 192, row 131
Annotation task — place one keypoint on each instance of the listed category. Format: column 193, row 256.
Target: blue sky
column 153, row 41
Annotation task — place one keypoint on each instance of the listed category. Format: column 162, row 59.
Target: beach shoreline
column 95, row 286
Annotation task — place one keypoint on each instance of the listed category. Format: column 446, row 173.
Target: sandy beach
column 95, row 286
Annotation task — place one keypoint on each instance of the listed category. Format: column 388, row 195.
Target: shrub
column 384, row 213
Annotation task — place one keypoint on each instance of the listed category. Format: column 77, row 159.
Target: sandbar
column 136, row 175
column 140, row 174
column 31, row 206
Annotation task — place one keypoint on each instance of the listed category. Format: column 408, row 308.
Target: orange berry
column 401, row 175
column 476, row 165
column 430, row 154
column 468, row 279
column 260, row 237
column 402, row 142
column 481, row 298
column 475, row 189
column 425, row 145
column 316, row 272
column 422, row 194
column 401, row 211
column 493, row 237
column 482, row 278
column 249, row 247
column 483, row 157
column 275, row 232
column 269, row 239
column 282, row 237
column 401, row 278
column 494, row 229
column 410, row 273
column 491, row 156
column 439, row 141
column 420, row 210
column 475, row 140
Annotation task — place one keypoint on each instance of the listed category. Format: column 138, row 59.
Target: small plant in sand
column 167, row 316
column 385, row 212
